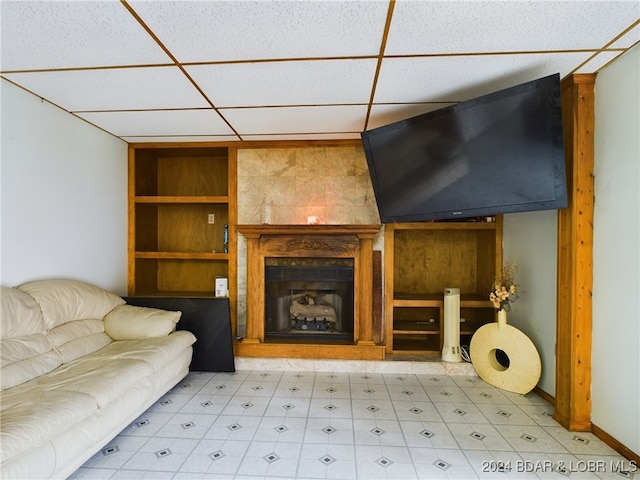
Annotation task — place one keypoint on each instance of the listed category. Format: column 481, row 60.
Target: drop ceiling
column 191, row 71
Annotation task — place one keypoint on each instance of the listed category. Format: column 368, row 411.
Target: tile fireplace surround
column 310, row 241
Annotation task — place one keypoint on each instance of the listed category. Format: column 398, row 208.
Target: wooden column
column 364, row 296
column 255, row 283
column 575, row 259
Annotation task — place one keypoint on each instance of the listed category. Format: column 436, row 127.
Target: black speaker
column 209, row 319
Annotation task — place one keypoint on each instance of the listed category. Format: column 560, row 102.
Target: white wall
column 531, row 239
column 63, row 197
column 615, row 387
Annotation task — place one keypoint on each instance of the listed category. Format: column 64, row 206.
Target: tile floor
column 257, row 424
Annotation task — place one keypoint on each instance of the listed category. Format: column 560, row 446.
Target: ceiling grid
column 189, row 71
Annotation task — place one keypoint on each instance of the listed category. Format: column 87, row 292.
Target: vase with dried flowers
column 505, row 290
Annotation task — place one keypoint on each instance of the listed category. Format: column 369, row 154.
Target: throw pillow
column 128, row 322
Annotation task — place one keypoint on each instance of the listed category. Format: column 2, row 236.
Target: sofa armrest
column 128, row 322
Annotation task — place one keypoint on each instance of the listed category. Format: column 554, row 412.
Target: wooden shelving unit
column 421, row 260
column 174, row 250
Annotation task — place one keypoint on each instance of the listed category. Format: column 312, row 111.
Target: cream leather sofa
column 78, row 366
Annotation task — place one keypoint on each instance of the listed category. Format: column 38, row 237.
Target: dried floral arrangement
column 505, row 290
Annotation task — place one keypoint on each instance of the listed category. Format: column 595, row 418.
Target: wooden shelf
column 173, row 249
column 415, row 344
column 183, row 255
column 437, row 300
column 447, row 226
column 416, row 327
column 421, row 260
column 184, row 199
column 176, row 294
column 417, row 302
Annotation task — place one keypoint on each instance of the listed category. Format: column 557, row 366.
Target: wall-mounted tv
column 495, row 154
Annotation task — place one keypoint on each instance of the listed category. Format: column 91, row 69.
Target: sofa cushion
column 32, row 415
column 81, row 337
column 73, row 312
column 42, row 409
column 128, row 322
column 157, row 352
column 25, row 350
column 65, row 300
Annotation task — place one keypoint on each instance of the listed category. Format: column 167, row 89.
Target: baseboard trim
column 544, row 395
column 616, row 445
column 597, row 431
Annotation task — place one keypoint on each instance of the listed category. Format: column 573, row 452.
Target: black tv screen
column 495, row 154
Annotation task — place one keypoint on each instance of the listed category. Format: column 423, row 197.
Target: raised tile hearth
column 428, row 366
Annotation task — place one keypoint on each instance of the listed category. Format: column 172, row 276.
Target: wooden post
column 365, row 294
column 575, row 259
column 255, row 283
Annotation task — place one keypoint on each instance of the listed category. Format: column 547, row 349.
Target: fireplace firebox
column 309, row 300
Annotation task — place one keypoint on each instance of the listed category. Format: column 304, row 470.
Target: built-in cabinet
column 180, row 199
column 424, row 258
column 181, row 196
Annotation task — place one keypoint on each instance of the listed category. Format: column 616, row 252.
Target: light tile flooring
column 256, row 424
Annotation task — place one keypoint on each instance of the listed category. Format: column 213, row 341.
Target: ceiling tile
column 454, row 79
column 286, row 83
column 304, row 136
column 293, row 69
column 46, row 34
column 628, row 39
column 598, row 61
column 227, row 30
column 180, row 139
column 114, row 89
column 287, row 120
column 511, row 26
column 167, row 123
column 385, row 114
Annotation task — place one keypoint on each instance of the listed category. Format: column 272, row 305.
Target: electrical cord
column 464, row 353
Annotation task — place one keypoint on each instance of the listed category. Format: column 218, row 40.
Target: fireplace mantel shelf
column 362, row 231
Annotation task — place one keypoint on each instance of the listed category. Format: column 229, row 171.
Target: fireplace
column 310, row 292
column 309, row 300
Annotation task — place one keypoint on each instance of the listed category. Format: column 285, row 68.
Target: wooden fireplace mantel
column 310, row 241
column 362, row 231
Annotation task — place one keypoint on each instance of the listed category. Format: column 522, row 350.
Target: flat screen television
column 495, row 154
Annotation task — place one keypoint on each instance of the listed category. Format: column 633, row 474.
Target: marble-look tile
column 343, row 161
column 428, row 369
column 281, row 162
column 364, row 195
column 340, row 191
column 340, row 215
column 251, row 163
column 314, row 162
column 310, row 191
